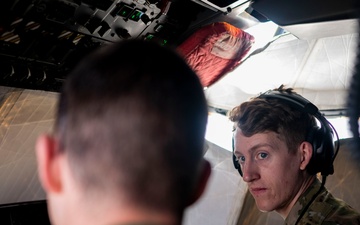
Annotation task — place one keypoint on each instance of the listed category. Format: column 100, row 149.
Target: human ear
column 202, row 182
column 48, row 165
column 306, row 151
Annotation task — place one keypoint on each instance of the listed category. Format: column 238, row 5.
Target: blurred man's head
column 130, row 129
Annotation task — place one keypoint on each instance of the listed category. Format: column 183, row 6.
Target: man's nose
column 250, row 171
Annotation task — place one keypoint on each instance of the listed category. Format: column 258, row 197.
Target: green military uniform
column 325, row 209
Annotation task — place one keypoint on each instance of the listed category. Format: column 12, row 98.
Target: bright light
column 219, row 130
column 341, row 125
column 263, row 33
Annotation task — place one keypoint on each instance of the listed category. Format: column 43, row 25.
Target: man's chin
column 264, row 211
column 263, row 208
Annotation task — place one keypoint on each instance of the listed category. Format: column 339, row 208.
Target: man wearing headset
column 278, row 149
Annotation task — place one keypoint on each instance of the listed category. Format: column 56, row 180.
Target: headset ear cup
column 328, row 154
column 235, row 161
column 323, row 151
column 237, row 165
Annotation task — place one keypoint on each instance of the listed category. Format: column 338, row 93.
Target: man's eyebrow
column 253, row 148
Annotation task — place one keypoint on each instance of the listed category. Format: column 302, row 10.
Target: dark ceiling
column 41, row 40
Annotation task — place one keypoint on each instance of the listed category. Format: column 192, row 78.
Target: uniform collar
column 302, row 202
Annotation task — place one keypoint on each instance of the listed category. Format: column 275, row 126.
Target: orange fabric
column 214, row 50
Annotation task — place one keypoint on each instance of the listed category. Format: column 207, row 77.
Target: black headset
column 321, row 138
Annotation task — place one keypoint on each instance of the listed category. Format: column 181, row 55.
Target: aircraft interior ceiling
column 312, row 48
column 40, row 41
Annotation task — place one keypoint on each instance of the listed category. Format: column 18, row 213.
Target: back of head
column 132, row 118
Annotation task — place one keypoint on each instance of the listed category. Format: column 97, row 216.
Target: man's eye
column 241, row 159
column 262, row 155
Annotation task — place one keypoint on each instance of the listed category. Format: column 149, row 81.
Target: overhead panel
column 41, row 41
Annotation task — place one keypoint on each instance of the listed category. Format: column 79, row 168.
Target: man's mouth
column 257, row 191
